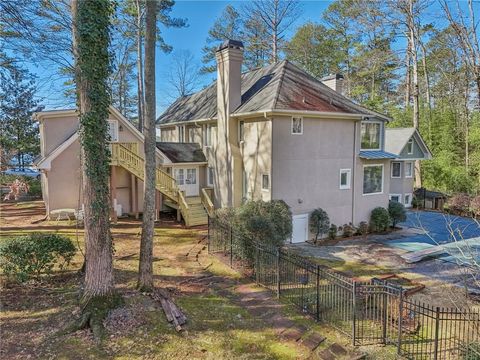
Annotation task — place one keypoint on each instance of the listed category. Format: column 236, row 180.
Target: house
column 61, row 177
column 269, row 133
column 279, row 133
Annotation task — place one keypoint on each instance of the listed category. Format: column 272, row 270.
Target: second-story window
column 297, row 125
column 113, row 130
column 208, row 135
column 191, row 135
column 410, row 147
column 241, row 131
column 181, row 133
column 371, row 132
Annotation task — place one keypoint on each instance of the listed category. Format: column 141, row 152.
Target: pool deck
column 436, row 250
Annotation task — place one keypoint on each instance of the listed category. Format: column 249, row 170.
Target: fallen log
column 172, row 312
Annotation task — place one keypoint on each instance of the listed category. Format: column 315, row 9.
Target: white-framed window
column 409, row 169
column 113, row 130
column 372, row 179
column 410, row 147
column 191, row 177
column 395, row 197
column 207, row 135
column 297, row 125
column 179, row 175
column 191, row 135
column 241, row 130
column 371, row 135
column 265, row 182
column 396, row 169
column 181, row 133
column 210, row 176
column 407, row 201
column 158, row 133
column 345, row 178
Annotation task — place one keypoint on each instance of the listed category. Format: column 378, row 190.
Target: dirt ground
column 218, row 328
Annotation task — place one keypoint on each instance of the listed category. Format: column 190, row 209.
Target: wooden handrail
column 183, row 205
column 207, row 202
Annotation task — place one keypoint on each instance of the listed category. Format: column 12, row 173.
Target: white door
column 187, row 180
column 300, row 228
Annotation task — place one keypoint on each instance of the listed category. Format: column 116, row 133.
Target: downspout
column 354, row 169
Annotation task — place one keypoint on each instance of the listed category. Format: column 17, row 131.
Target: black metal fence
column 374, row 312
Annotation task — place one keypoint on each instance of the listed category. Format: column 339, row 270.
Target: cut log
column 173, row 314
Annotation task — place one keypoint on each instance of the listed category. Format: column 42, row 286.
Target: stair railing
column 207, row 202
column 184, row 209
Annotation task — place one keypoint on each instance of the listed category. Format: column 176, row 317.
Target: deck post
column 135, row 197
column 113, row 193
column 157, row 209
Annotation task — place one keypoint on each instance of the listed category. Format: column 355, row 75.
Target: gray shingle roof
column 182, row 152
column 281, row 86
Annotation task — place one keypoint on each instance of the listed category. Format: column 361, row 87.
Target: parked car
column 23, row 172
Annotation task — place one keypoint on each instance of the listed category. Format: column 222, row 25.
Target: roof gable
column 396, row 140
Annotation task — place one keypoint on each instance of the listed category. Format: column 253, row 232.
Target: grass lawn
column 216, row 328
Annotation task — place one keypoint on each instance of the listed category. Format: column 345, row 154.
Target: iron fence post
column 255, row 267
column 400, row 320
column 354, row 314
column 231, row 247
column 437, row 329
column 278, row 272
column 318, row 292
column 384, row 314
column 208, row 233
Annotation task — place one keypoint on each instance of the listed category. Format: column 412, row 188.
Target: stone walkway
column 262, row 305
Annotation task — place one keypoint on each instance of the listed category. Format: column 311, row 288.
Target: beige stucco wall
column 54, row 131
column 306, row 168
column 256, row 155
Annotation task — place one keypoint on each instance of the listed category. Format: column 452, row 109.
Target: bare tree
column 183, row 75
column 145, row 275
column 277, row 16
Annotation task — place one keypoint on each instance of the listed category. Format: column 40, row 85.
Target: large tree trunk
column 145, row 276
column 141, row 98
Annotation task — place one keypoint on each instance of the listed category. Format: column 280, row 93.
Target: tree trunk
column 98, row 241
column 141, row 98
column 145, row 276
column 408, row 80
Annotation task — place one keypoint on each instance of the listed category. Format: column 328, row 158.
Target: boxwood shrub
column 29, row 256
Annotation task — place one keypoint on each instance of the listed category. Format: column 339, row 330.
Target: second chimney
column 334, row 82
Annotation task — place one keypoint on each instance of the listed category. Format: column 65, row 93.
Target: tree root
column 94, row 312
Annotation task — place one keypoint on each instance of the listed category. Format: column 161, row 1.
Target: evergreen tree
column 19, row 135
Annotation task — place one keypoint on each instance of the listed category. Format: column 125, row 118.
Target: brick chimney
column 334, row 82
column 229, row 57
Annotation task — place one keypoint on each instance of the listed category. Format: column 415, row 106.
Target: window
column 113, row 130
column 181, row 133
column 408, row 200
column 395, row 197
column 191, row 177
column 297, row 125
column 208, row 135
column 370, row 133
column 396, row 167
column 408, row 169
column 372, row 179
column 210, row 176
column 191, row 135
column 179, row 176
column 345, row 178
column 265, row 182
column 241, row 131
column 410, row 147
column 245, row 185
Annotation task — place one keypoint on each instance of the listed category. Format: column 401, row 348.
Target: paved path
column 262, row 305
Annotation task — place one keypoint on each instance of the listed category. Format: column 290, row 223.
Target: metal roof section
column 376, row 154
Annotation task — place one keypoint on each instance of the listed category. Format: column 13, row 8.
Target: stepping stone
column 294, row 333
column 337, row 349
column 326, row 355
column 313, row 340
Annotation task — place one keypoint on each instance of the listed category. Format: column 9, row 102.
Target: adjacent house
column 270, row 133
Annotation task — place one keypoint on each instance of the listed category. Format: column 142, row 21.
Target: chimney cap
column 332, row 76
column 232, row 44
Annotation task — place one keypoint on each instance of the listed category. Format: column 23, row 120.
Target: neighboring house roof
column 429, row 194
column 182, row 152
column 280, row 86
column 376, row 154
column 396, row 139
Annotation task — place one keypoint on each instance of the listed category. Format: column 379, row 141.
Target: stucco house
column 270, row 133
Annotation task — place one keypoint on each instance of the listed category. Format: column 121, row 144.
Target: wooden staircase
column 192, row 210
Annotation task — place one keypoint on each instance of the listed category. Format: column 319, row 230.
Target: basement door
column 187, row 180
column 300, row 228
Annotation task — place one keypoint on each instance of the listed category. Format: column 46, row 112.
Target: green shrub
column 24, row 257
column 471, row 351
column 379, row 219
column 397, row 212
column 265, row 222
column 362, row 228
column 348, row 230
column 332, row 232
column 319, row 223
